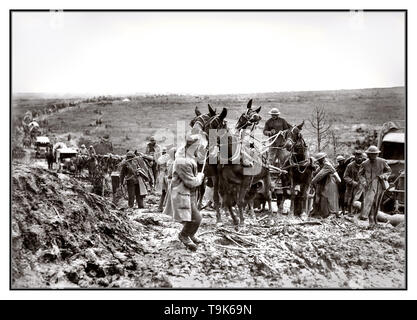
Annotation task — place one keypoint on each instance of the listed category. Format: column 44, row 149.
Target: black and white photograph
column 208, row 149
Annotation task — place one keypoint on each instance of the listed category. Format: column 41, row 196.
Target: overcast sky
column 205, row 52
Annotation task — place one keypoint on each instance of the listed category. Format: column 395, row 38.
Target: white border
column 188, row 295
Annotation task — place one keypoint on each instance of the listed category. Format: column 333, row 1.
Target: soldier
column 153, row 150
column 351, row 178
column 83, row 150
column 182, row 196
column 92, row 152
column 132, row 171
column 325, row 182
column 272, row 126
column 373, row 176
column 50, row 158
column 341, row 168
column 164, row 162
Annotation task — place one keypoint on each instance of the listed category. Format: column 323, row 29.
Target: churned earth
column 64, row 236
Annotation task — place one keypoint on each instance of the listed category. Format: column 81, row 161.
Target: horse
column 202, row 124
column 300, row 167
column 197, row 125
column 198, row 122
column 236, row 181
column 249, row 118
column 85, row 162
column 231, row 179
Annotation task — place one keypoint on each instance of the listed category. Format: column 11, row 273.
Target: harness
column 200, row 120
column 246, row 116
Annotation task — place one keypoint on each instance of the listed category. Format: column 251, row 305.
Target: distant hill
column 130, row 124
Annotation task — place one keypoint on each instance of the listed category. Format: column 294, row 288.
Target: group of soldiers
column 354, row 188
column 354, row 185
column 134, row 170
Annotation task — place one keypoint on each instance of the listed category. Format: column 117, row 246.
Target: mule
column 249, row 118
column 235, row 180
column 300, row 167
column 197, row 125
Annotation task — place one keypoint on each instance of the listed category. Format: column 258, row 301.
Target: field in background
column 129, row 124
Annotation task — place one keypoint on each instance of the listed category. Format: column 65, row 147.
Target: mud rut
column 64, row 236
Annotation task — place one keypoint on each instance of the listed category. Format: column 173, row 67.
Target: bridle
column 245, row 118
column 200, row 120
column 296, row 145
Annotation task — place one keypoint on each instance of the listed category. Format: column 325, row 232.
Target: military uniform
column 181, row 201
column 371, row 176
column 351, row 178
column 164, row 163
column 340, row 169
column 278, row 124
column 327, row 193
column 132, row 171
column 154, row 151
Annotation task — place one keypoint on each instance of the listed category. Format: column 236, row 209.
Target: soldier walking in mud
column 351, row 179
column 50, row 158
column 165, row 162
column 325, row 182
column 132, row 171
column 272, row 126
column 182, row 196
column 373, row 176
column 153, row 150
column 341, row 168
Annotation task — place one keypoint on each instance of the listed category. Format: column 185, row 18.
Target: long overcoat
column 182, row 190
column 327, row 193
column 133, row 170
column 371, row 175
column 351, row 178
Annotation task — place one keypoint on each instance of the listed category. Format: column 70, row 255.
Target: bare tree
column 321, row 126
column 334, row 139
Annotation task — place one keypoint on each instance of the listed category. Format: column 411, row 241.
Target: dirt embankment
column 65, row 236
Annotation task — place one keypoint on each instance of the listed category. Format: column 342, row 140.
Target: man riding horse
column 272, row 127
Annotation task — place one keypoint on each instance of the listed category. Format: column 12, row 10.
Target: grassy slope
column 145, row 116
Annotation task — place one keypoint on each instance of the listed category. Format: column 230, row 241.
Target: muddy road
column 64, row 236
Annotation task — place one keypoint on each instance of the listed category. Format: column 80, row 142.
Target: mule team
column 243, row 172
column 355, row 184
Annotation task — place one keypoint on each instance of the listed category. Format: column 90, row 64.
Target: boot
column 187, row 242
column 196, row 240
column 140, row 204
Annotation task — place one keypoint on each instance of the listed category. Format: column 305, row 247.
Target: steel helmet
column 372, row 149
column 320, row 156
column 340, row 158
